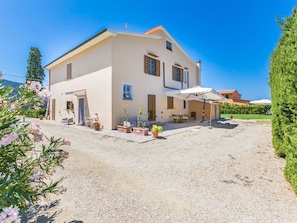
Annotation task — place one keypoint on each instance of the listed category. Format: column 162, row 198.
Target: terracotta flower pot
column 155, row 134
column 97, row 126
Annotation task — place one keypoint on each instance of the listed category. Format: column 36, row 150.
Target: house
column 233, row 97
column 112, row 69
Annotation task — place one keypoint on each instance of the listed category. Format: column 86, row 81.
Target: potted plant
column 125, row 126
column 141, row 128
column 156, row 129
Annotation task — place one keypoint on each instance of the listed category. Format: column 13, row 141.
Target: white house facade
column 115, row 68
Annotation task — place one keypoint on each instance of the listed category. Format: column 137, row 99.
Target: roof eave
column 102, row 35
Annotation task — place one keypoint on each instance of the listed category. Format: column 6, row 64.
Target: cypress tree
column 35, row 71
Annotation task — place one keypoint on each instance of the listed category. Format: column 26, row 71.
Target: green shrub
column 283, row 83
column 27, row 157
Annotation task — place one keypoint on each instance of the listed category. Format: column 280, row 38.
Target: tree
column 35, row 71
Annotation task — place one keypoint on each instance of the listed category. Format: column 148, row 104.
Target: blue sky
column 234, row 39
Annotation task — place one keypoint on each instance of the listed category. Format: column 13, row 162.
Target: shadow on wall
column 40, row 214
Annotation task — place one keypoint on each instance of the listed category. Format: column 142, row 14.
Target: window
column 151, row 66
column 168, row 45
column 186, row 76
column 127, row 92
column 227, row 96
column 69, row 71
column 170, row 102
column 185, row 104
column 69, row 105
column 177, row 74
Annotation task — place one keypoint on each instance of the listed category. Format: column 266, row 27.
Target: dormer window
column 168, row 45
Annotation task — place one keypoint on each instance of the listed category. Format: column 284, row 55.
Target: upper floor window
column 69, row 70
column 177, row 73
column 127, row 92
column 186, row 76
column 227, row 96
column 168, row 45
column 151, row 66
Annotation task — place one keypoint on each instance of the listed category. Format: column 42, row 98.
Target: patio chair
column 67, row 117
column 185, row 118
column 175, row 118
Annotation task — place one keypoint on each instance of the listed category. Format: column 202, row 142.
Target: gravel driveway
column 227, row 173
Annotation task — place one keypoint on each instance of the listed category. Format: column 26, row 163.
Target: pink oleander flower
column 44, row 93
column 34, row 86
column 38, row 137
column 66, row 142
column 37, row 176
column 7, row 139
column 64, row 154
column 9, row 215
column 34, row 128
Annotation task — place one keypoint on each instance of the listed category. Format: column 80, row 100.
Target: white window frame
column 127, row 91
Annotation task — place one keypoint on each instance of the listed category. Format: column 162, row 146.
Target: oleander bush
column 28, row 158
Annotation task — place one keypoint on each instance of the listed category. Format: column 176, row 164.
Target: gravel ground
column 227, row 173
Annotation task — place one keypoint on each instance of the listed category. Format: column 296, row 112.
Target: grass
column 247, row 116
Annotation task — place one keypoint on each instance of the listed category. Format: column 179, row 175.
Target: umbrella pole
column 203, row 110
column 210, row 113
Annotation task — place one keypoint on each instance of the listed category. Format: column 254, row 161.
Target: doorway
column 81, row 111
column 151, row 107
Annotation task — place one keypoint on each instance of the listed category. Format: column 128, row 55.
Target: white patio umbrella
column 261, row 101
column 197, row 93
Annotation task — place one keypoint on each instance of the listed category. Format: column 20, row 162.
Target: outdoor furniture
column 90, row 121
column 67, row 117
column 175, row 118
column 185, row 118
column 180, row 118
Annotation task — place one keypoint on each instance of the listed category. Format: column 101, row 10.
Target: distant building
column 233, row 97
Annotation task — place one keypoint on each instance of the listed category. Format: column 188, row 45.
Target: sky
column 233, row 38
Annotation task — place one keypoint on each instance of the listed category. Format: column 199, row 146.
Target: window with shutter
column 151, row 66
column 177, row 74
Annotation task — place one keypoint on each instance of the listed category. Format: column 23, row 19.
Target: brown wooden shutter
column 157, row 67
column 146, row 64
column 69, row 71
column 181, row 75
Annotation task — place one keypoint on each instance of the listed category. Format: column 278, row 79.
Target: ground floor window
column 127, row 92
column 170, row 102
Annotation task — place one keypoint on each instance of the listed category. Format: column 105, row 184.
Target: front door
column 81, row 111
column 151, row 107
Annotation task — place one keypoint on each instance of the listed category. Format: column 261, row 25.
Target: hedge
column 227, row 108
column 283, row 83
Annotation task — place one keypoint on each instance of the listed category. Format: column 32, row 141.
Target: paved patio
column 169, row 128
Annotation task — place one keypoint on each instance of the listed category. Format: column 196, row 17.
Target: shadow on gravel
column 225, row 125
column 40, row 214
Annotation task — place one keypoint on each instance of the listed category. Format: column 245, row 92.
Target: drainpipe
column 164, row 84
